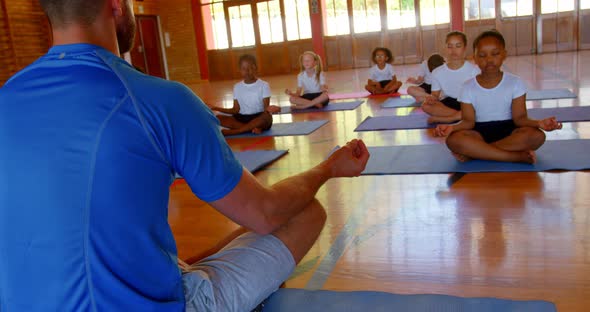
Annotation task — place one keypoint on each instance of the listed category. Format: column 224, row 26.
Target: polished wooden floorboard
column 507, row 235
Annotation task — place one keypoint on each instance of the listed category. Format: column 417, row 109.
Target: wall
column 24, row 35
column 182, row 57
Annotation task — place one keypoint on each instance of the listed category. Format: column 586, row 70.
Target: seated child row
column 489, row 103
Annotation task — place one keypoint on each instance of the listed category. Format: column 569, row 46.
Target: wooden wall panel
column 26, row 35
column 363, row 45
column 7, row 57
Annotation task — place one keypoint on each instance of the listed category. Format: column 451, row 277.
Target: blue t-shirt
column 89, row 148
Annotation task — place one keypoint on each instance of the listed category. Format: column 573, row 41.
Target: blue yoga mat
column 256, row 160
column 548, row 94
column 402, row 101
column 283, row 129
column 298, row 300
column 419, row 120
column 563, row 114
column 436, row 158
column 411, row 121
column 333, row 106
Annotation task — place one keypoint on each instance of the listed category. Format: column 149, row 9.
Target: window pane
column 480, row 9
column 215, row 27
column 269, row 21
column 303, row 18
column 487, row 9
column 553, row 6
column 400, row 14
column 366, row 16
column 336, row 21
column 471, row 10
column 241, row 26
column 434, row 12
column 511, row 8
column 297, row 19
column 584, row 4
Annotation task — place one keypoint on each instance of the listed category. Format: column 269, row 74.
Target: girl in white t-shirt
column 494, row 123
column 251, row 111
column 447, row 81
column 312, row 90
column 382, row 77
column 424, row 79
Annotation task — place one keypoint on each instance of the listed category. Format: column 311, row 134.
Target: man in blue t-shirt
column 90, row 147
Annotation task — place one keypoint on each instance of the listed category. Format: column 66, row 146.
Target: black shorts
column 451, row 103
column 247, row 118
column 383, row 83
column 311, row 96
column 426, row 87
column 493, row 131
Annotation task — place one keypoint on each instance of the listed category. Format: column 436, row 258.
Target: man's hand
column 349, row 160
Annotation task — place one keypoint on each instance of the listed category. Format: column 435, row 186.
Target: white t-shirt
column 310, row 84
column 493, row 104
column 450, row 81
column 250, row 96
column 377, row 74
column 425, row 72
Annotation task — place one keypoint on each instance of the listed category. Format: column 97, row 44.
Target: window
column 241, row 26
column 336, row 18
column 366, row 16
column 297, row 19
column 400, row 14
column 554, row 6
column 584, row 4
column 216, row 30
column 270, row 23
column 512, row 8
column 434, row 12
column 479, row 9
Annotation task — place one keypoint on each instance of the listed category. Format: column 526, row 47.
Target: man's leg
column 252, row 266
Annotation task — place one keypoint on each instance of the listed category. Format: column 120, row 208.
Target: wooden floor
column 507, row 235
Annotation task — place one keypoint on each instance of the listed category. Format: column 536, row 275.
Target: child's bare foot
column 257, row 131
column 461, row 158
column 227, row 132
column 319, row 105
column 443, row 119
column 531, row 157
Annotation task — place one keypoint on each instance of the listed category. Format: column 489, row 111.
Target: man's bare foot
column 461, row 158
column 257, row 131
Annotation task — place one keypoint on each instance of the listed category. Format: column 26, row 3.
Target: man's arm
column 265, row 209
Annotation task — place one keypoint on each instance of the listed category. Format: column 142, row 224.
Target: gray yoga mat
column 401, row 101
column 284, row 129
column 436, row 158
column 548, row 94
column 331, row 107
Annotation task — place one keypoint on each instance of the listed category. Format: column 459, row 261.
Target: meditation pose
column 312, row 90
column 251, row 111
column 92, row 147
column 424, row 79
column 494, row 123
column 382, row 77
column 447, row 81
